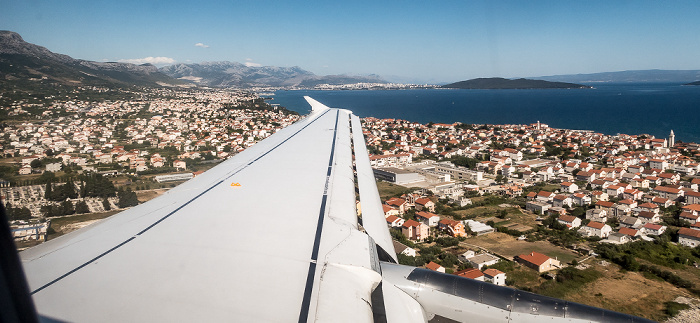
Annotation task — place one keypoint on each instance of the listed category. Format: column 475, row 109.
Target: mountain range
column 25, row 65
column 28, row 66
column 636, row 76
column 233, row 74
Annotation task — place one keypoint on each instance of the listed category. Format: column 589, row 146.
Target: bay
column 645, row 108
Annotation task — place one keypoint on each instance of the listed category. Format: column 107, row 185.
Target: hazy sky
column 426, row 41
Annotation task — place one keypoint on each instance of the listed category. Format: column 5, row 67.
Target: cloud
column 151, row 60
column 201, row 45
column 249, row 63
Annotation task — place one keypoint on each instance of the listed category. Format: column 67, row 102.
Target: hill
column 635, row 76
column 233, row 74
column 29, row 67
column 501, row 83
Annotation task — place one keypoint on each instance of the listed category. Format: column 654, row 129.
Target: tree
column 127, row 198
column 48, row 191
column 18, row 213
column 95, row 185
column 68, row 191
column 464, row 161
column 579, row 212
column 81, row 207
column 500, row 179
column 67, row 207
column 50, row 211
column 106, row 205
column 36, row 163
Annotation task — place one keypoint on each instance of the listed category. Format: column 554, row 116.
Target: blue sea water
column 654, row 109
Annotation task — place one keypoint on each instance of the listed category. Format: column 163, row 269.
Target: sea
column 633, row 109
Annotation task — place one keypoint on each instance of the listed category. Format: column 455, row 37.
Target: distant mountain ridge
column 26, row 66
column 635, row 76
column 502, row 83
column 23, row 65
column 233, row 74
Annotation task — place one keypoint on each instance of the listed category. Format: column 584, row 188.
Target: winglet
column 315, row 105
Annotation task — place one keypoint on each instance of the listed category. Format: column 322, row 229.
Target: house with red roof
column 649, row 207
column 649, row 217
column 632, row 194
column 428, row 218
column 394, row 221
column 415, row 230
column 435, row 267
column 180, row 165
column 544, row 196
column 599, row 196
column 670, row 193
column 569, row 187
column 452, row 227
column 692, row 208
column 538, row 261
column 688, row 216
column 425, row 204
column 653, row 229
column 630, row 232
column 562, row 200
column 399, row 204
column 471, row 273
column 689, row 237
column 388, row 210
column 615, row 190
column 604, row 205
column 595, row 229
column 495, row 276
column 581, row 199
column 669, row 178
column 570, row 221
column 585, row 176
column 692, row 197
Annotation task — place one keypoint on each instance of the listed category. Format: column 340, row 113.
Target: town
column 540, row 208
column 613, row 217
column 58, row 153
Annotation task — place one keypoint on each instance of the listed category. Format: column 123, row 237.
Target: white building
column 495, row 276
column 596, row 229
column 689, row 237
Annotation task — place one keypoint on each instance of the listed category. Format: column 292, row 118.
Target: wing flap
column 373, row 219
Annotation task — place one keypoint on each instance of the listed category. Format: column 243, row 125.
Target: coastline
column 607, row 108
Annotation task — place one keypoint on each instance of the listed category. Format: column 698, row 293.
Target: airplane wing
column 270, row 235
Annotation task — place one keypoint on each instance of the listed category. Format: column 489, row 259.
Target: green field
column 508, row 246
column 388, row 190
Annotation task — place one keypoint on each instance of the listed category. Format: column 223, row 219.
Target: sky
column 403, row 41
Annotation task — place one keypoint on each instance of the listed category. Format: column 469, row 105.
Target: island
column 502, row 83
column 693, row 83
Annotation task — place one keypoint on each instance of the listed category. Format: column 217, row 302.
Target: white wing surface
column 268, row 235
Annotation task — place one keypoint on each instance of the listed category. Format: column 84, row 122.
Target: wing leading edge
column 272, row 234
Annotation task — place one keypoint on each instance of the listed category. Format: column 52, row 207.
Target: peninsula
column 502, row 83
